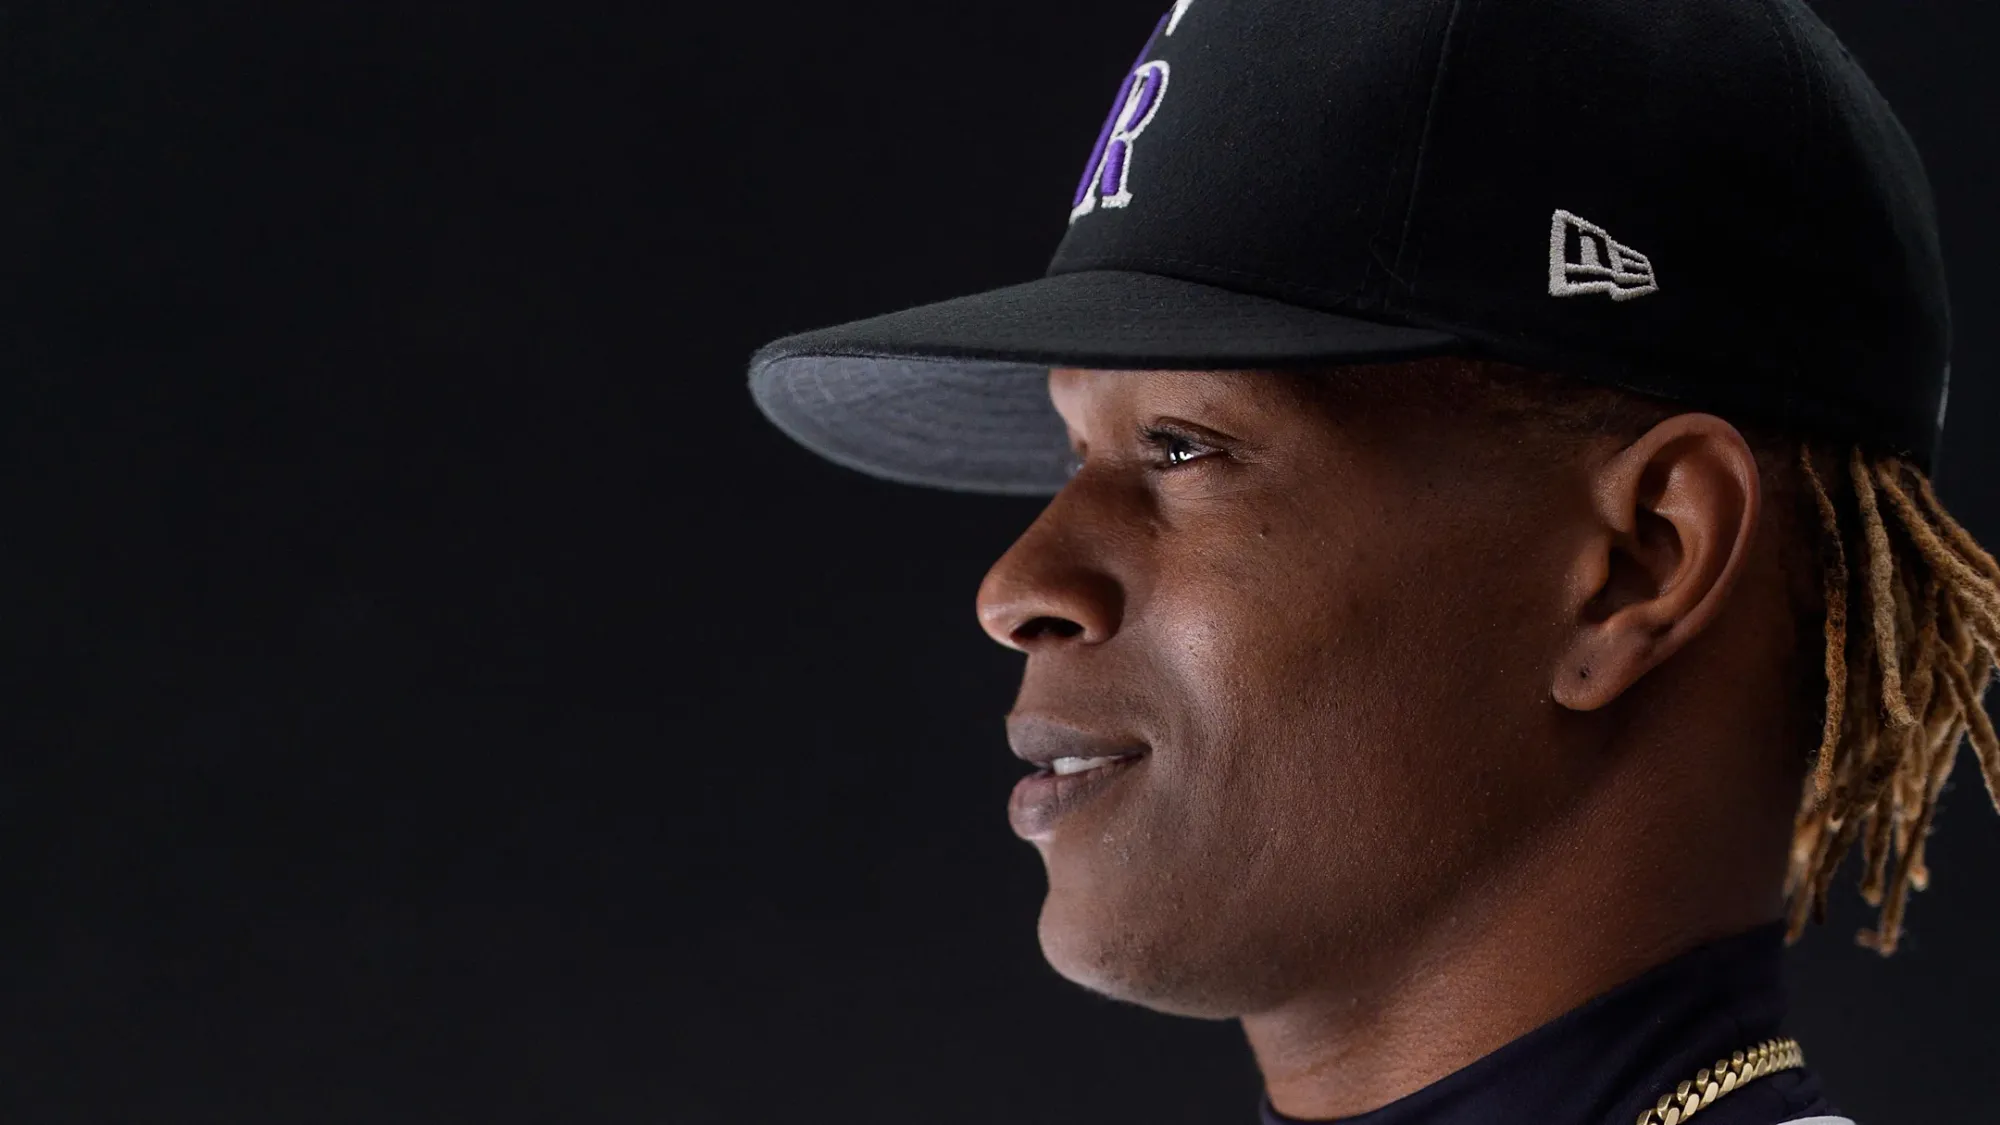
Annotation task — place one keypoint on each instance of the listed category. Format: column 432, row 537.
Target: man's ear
column 1676, row 512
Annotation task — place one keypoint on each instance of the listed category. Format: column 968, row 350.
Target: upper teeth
column 1078, row 765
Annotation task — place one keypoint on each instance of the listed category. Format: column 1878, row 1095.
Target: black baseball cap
column 1701, row 200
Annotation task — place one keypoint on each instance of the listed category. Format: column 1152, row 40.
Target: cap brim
column 955, row 395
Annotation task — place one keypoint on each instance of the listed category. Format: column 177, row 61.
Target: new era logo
column 1585, row 259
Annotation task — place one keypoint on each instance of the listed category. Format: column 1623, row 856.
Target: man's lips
column 1073, row 766
column 1045, row 742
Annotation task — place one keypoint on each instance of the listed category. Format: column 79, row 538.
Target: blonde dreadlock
column 1901, row 693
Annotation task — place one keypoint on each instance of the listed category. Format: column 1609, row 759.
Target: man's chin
column 1109, row 951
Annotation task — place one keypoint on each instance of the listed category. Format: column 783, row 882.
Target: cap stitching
column 1080, row 265
column 1371, row 295
column 1781, row 36
column 1411, row 268
column 1802, row 68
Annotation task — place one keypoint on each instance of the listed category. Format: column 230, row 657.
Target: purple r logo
column 1107, row 179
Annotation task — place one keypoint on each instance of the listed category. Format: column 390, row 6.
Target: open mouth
column 1045, row 797
column 1068, row 767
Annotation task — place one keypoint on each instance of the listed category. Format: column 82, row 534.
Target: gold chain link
column 1690, row 1098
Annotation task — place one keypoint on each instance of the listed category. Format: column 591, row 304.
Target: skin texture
column 1447, row 727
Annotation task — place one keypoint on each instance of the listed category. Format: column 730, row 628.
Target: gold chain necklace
column 1728, row 1074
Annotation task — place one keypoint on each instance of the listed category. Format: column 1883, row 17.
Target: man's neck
column 1539, row 940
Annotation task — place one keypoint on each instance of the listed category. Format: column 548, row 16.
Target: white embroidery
column 1822, row 1121
column 1119, row 144
column 1944, row 395
column 1602, row 265
column 1180, row 9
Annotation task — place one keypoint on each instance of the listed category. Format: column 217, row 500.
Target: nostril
column 1046, row 628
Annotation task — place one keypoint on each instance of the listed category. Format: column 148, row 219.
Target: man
column 1491, row 579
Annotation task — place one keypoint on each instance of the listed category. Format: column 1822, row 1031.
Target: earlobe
column 1594, row 675
column 1675, row 514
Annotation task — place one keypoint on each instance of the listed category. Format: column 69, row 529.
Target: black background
column 432, row 692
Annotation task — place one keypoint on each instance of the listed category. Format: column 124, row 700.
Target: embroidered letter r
column 1108, row 177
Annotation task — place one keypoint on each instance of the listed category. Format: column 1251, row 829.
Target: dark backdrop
column 433, row 694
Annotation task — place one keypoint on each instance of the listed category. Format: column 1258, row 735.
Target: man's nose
column 1052, row 587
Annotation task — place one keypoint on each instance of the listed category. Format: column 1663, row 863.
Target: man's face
column 1314, row 629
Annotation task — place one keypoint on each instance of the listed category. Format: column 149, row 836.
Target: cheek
column 1320, row 725
column 1281, row 670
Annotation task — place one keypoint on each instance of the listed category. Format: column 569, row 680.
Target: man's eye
column 1176, row 449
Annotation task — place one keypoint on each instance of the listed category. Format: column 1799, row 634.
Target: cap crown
column 1702, row 199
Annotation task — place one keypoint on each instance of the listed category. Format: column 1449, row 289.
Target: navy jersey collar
column 1605, row 1062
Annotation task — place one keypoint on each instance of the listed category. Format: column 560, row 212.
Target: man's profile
column 1491, row 579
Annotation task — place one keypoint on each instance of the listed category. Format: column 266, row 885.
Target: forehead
column 1079, row 394
column 1432, row 420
